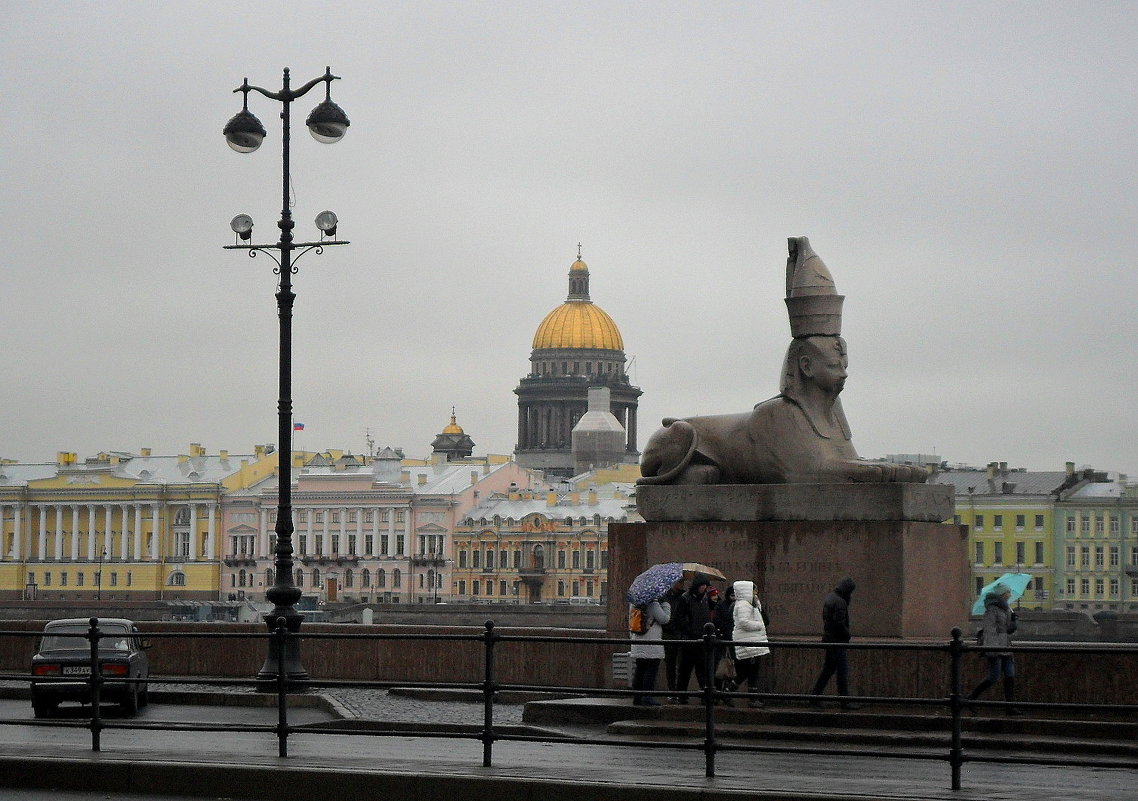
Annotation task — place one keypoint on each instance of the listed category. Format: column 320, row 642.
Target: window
column 1134, row 526
column 1133, row 557
column 1039, row 522
column 114, row 579
column 1115, row 556
column 1070, row 586
column 462, row 558
column 489, row 586
column 1114, row 588
column 1099, row 562
column 998, row 553
column 1021, row 552
column 335, row 517
column 365, row 578
column 998, row 522
column 590, row 559
column 477, row 559
column 979, row 585
column 1039, row 553
column 369, row 516
column 46, row 578
column 79, row 578
column 369, row 544
column 349, row 579
column 352, row 544
column 177, row 579
column 383, row 545
column 301, row 515
column 381, row 578
column 319, row 516
column 1098, row 525
column 517, row 559
column 335, row 543
column 561, row 560
column 316, row 579
column 1085, row 525
column 399, row 544
column 501, row 587
column 503, row 558
column 560, row 589
column 462, row 588
column 1020, row 522
column 302, row 544
column 576, row 562
column 1099, row 587
column 576, row 588
column 979, row 524
column 1085, row 556
column 1085, row 587
column 476, row 587
column 979, row 553
column 396, row 578
column 1133, row 587
column 1070, row 525
column 604, row 559
column 490, row 559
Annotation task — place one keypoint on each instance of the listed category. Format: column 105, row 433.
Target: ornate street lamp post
column 244, row 133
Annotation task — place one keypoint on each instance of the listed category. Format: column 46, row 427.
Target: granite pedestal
column 911, row 574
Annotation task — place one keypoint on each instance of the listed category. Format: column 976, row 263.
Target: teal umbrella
column 1016, row 582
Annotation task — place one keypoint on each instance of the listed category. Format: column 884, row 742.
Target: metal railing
column 953, row 701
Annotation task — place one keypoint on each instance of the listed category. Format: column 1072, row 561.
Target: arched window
column 538, row 557
column 299, row 577
column 269, row 577
column 349, row 579
column 422, row 581
column 365, row 578
column 241, row 579
column 381, row 578
column 396, row 578
column 182, row 518
column 177, row 579
column 315, row 578
column 232, row 579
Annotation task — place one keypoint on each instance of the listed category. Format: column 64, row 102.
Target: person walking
column 836, row 629
column 999, row 624
column 692, row 614
column 750, row 630
column 647, row 651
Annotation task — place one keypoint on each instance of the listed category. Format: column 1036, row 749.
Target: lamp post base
column 296, row 677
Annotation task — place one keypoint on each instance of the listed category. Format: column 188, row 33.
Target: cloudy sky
column 966, row 170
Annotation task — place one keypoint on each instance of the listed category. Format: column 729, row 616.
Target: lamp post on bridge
column 244, row 133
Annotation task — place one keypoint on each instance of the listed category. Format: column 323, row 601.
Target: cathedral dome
column 578, row 322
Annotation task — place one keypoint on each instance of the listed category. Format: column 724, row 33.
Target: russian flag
column 298, row 426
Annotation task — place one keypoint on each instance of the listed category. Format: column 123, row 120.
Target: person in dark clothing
column 722, row 617
column 692, row 614
column 671, row 633
column 836, row 629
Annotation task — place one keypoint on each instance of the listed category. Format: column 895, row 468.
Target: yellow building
column 119, row 526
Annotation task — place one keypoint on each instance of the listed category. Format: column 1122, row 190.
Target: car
column 63, row 663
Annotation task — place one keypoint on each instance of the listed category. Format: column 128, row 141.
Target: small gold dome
column 454, row 427
column 578, row 266
column 578, row 324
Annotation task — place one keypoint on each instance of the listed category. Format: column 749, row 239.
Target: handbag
column 725, row 668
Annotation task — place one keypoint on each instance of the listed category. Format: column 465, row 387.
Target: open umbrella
column 656, row 580
column 1016, row 582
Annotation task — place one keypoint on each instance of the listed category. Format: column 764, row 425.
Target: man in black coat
column 691, row 615
column 836, row 629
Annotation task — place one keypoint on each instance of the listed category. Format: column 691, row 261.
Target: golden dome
column 454, row 427
column 578, row 266
column 578, row 324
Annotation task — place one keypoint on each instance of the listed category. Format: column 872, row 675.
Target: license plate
column 76, row 670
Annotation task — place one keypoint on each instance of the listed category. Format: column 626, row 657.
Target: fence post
column 280, row 642
column 96, row 681
column 488, row 637
column 709, row 699
column 956, row 752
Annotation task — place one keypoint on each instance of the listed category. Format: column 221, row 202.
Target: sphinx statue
column 801, row 436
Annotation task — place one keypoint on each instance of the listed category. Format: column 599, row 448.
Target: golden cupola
column 578, row 323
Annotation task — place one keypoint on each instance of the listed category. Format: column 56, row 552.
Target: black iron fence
column 953, row 701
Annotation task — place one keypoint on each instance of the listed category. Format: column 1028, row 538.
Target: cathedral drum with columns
column 577, row 346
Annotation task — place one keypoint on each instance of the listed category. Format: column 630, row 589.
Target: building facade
column 576, row 346
column 546, row 546
column 119, row 526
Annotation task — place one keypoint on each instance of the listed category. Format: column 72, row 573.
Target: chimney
column 592, row 497
column 486, row 469
column 473, row 476
column 991, row 470
column 224, row 455
column 551, row 499
column 145, row 452
column 1003, row 467
column 422, row 479
column 1070, row 468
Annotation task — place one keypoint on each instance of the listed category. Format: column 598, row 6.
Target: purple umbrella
column 655, row 581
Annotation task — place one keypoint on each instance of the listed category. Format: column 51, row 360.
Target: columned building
column 577, row 346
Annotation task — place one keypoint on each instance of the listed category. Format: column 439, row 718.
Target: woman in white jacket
column 750, row 632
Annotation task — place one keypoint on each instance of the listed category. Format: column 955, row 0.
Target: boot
column 1010, row 695
column 980, row 688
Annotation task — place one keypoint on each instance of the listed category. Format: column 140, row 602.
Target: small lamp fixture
column 327, row 221
column 242, row 225
column 244, row 132
column 327, row 123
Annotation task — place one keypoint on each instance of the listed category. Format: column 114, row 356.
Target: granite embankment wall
column 1069, row 678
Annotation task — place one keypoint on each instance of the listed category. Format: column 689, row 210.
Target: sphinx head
column 814, row 363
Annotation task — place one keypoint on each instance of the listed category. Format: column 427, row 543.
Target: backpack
column 639, row 621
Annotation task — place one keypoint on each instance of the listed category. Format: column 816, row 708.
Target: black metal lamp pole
column 244, row 133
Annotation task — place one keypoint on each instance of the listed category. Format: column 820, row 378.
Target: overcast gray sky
column 966, row 171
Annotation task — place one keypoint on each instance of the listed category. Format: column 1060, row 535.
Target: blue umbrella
column 1016, row 582
column 655, row 581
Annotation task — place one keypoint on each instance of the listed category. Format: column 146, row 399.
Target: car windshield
column 67, row 639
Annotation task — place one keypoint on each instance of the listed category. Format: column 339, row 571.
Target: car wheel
column 130, row 700
column 42, row 708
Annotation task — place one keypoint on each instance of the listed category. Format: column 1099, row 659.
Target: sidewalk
column 238, row 765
